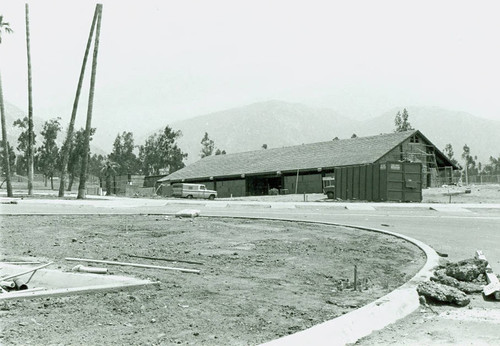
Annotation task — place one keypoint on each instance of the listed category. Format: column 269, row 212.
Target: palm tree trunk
column 85, row 157
column 5, row 145
column 67, row 144
column 30, row 108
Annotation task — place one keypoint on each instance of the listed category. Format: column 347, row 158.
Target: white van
column 192, row 191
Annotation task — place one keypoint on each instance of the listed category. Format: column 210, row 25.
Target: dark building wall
column 388, row 181
column 228, row 188
column 210, row 185
column 308, row 183
column 417, row 150
column 150, row 180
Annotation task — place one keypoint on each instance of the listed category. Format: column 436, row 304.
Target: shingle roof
column 345, row 152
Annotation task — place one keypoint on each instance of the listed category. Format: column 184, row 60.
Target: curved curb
column 377, row 315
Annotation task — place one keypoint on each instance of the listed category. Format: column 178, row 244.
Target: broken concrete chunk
column 466, row 287
column 187, row 213
column 466, row 270
column 442, row 293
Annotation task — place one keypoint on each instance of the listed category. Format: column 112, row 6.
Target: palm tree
column 30, row 107
column 108, row 170
column 66, row 149
column 5, row 27
column 88, row 125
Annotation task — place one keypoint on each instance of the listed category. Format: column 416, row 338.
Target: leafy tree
column 401, row 122
column 493, row 167
column 48, row 153
column 23, row 146
column 354, row 135
column 220, row 152
column 160, row 152
column 12, row 160
column 96, row 162
column 207, row 146
column 123, row 154
column 470, row 163
column 109, row 170
column 448, row 151
column 76, row 154
column 5, row 28
column 264, row 146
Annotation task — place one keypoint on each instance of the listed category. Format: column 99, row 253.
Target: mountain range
column 278, row 123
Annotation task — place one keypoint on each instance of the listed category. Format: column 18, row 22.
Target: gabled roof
column 336, row 153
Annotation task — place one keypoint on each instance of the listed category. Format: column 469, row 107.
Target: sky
column 164, row 61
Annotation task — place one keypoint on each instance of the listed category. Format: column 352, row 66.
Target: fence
column 483, row 179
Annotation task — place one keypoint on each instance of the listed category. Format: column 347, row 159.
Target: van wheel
column 211, row 197
column 329, row 195
column 190, row 196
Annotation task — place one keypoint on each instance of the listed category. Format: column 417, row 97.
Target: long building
column 305, row 168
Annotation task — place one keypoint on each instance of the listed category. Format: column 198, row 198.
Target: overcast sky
column 161, row 61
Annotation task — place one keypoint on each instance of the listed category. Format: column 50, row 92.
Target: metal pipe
column 81, row 268
column 8, row 284
column 20, row 284
column 132, row 265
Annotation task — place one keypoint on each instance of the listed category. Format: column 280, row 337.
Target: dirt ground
column 259, row 279
column 488, row 193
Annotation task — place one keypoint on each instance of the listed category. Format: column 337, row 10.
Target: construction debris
column 442, row 293
column 466, row 270
column 453, row 281
column 493, row 286
column 165, row 259
column 18, row 284
column 93, row 270
column 466, row 287
column 187, row 213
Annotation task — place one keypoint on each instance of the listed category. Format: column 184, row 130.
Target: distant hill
column 442, row 126
column 274, row 123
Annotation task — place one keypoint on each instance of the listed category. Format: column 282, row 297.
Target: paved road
column 454, row 230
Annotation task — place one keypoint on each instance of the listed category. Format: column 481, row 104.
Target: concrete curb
column 377, row 315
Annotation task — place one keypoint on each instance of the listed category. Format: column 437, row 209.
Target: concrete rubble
column 453, row 281
column 443, row 293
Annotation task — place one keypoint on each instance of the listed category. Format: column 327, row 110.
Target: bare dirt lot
column 259, row 280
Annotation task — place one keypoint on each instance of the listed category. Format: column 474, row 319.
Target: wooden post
column 297, row 182
column 355, row 277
